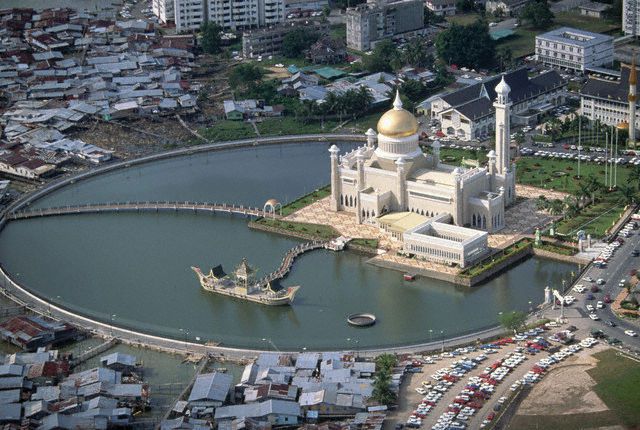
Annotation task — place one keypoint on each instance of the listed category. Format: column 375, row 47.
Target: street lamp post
column 442, row 334
column 530, row 307
column 111, row 327
column 430, row 335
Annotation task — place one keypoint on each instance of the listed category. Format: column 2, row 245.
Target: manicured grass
column 573, row 18
column 324, row 232
column 292, row 125
column 557, row 248
column 228, row 130
column 368, row 243
column 464, row 19
column 618, row 385
column 558, row 174
column 454, row 156
column 522, row 42
column 594, row 219
column 592, row 420
column 496, row 259
column 306, row 200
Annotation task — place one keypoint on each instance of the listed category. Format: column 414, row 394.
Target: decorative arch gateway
column 271, row 206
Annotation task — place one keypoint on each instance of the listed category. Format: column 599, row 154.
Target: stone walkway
column 523, row 218
column 345, row 222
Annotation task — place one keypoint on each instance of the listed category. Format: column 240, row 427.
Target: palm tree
column 627, row 193
column 542, row 203
column 634, row 176
column 570, row 207
column 556, row 206
column 593, row 185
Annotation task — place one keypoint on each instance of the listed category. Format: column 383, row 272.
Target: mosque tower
column 633, row 80
column 503, row 132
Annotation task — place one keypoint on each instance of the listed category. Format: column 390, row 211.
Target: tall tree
column 384, row 58
column 538, row 14
column 415, row 54
column 244, row 75
column 296, row 41
column 513, row 321
column 211, row 39
column 467, row 45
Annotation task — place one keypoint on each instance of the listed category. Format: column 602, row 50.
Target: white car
column 579, row 288
column 630, row 333
column 594, row 317
column 421, row 391
column 590, row 308
column 599, row 305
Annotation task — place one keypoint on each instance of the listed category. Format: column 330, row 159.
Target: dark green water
column 136, row 266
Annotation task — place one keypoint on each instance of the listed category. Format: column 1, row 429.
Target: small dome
column 436, row 144
column 457, row 171
column 491, row 154
column 502, row 87
column 370, row 132
column 397, row 122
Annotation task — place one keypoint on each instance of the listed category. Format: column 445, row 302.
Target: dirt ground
column 134, row 137
column 566, row 390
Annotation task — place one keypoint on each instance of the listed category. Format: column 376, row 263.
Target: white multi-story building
column 630, row 14
column 163, row 9
column 570, row 48
column 612, row 102
column 441, row 7
column 189, row 14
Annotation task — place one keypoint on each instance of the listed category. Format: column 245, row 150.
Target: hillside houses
column 60, row 68
column 37, row 391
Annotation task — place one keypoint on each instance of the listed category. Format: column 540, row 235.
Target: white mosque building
column 426, row 204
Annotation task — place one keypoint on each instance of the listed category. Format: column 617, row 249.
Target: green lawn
column 573, row 18
column 594, row 219
column 618, row 385
column 228, row 130
column 368, row 243
column 324, row 232
column 338, row 31
column 292, row 125
column 464, row 18
column 306, row 200
column 455, row 156
column 522, row 42
column 496, row 259
column 591, row 420
column 559, row 174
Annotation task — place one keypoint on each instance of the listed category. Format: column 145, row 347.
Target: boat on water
column 243, row 285
column 409, row 276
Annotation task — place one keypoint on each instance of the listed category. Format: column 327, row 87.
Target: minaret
column 503, row 133
column 435, row 146
column 335, row 179
column 401, row 184
column 633, row 80
column 360, row 184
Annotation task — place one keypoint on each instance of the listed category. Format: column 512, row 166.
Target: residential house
column 210, row 389
column 275, row 412
column 505, row 7
column 327, row 50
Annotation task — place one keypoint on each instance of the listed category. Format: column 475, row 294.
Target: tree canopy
column 415, row 53
column 467, row 45
column 296, row 41
column 538, row 14
column 385, row 58
column 244, row 75
column 430, row 17
column 513, row 321
column 211, row 39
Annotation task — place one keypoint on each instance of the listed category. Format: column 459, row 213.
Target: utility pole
column 606, row 157
column 579, row 141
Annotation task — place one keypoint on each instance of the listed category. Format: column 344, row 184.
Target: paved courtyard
column 523, row 218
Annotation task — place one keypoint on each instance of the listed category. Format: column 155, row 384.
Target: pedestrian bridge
column 193, row 207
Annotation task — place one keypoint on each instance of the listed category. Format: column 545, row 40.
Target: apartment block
column 373, row 21
column 570, row 48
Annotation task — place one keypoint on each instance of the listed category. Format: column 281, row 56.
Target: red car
column 491, row 416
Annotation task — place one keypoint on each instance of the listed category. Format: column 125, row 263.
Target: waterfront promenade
column 42, row 306
column 192, row 207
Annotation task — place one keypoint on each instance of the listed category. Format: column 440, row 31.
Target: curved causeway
column 103, row 269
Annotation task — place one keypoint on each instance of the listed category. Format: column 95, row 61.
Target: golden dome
column 624, row 125
column 397, row 122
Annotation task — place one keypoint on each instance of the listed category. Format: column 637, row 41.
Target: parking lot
column 467, row 387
